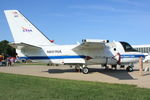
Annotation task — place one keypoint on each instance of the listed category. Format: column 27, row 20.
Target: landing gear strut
column 83, row 68
column 77, row 69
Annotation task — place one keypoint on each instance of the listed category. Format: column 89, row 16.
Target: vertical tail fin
column 23, row 31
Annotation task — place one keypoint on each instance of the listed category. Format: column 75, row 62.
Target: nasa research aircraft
column 31, row 43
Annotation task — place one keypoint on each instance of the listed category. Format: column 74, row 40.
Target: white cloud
column 105, row 8
column 131, row 2
column 95, row 7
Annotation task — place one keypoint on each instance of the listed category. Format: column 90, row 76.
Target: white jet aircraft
column 30, row 43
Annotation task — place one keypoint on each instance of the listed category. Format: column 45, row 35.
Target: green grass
column 22, row 87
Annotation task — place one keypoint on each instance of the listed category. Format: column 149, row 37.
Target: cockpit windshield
column 127, row 47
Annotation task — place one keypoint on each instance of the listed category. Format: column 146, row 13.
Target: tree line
column 6, row 50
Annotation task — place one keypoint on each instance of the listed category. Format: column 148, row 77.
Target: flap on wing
column 90, row 45
column 23, row 45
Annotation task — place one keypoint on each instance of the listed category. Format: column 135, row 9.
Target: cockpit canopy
column 127, row 47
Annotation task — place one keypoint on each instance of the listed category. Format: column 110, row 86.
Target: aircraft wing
column 23, row 45
column 90, row 45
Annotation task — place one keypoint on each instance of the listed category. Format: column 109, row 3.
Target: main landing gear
column 83, row 68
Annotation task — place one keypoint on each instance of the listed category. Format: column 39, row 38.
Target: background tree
column 6, row 49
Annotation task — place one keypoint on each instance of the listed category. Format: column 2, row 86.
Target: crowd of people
column 9, row 61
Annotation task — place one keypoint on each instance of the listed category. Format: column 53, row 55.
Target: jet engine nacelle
column 95, row 40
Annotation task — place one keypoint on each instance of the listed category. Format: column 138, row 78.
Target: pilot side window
column 127, row 47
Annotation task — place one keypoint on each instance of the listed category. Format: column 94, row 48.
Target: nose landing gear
column 129, row 68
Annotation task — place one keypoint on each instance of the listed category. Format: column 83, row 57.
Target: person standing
column 8, row 61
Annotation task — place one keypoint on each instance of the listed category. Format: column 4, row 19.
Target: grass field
column 20, row 87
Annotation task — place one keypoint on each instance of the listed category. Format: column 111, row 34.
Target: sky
column 70, row 21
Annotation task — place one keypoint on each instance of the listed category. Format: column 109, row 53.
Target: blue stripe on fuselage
column 73, row 57
column 52, row 57
column 132, row 56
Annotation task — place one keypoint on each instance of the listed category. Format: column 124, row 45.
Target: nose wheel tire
column 129, row 69
column 85, row 70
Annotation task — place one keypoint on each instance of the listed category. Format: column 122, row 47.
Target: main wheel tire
column 85, row 70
